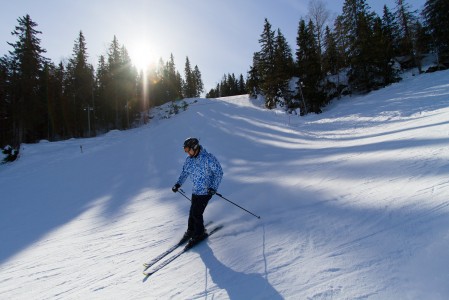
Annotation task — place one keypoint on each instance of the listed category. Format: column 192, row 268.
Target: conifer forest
column 356, row 52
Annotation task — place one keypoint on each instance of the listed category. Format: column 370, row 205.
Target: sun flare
column 142, row 55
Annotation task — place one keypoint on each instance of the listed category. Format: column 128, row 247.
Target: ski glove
column 211, row 191
column 175, row 187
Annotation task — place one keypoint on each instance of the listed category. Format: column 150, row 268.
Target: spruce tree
column 5, row 104
column 60, row 103
column 128, row 88
column 266, row 66
column 199, row 86
column 357, row 26
column 382, row 56
column 332, row 64
column 101, row 94
column 254, row 79
column 174, row 82
column 190, row 82
column 214, row 92
column 407, row 20
column 113, row 87
column 319, row 15
column 437, row 23
column 81, row 82
column 390, row 30
column 27, row 63
column 331, row 59
column 241, row 85
column 309, row 69
column 283, row 69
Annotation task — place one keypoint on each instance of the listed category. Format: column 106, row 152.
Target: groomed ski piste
column 354, row 204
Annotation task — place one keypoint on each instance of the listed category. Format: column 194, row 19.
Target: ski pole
column 182, row 193
column 221, row 196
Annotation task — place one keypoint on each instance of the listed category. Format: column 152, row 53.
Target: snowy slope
column 354, row 204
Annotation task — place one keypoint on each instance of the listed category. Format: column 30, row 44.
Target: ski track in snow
column 354, row 204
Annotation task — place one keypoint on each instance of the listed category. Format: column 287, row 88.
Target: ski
column 167, row 252
column 184, row 250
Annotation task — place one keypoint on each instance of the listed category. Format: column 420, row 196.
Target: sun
column 142, row 55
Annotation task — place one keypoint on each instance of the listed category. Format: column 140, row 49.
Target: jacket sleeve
column 184, row 173
column 217, row 172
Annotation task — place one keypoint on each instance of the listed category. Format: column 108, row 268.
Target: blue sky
column 218, row 36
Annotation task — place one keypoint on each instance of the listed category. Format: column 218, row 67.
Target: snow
column 353, row 204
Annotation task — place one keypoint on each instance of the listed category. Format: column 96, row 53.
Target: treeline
column 361, row 52
column 358, row 52
column 229, row 86
column 42, row 100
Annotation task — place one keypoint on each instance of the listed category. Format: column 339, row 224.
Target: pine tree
column 423, row 41
column 241, row 85
column 254, row 79
column 113, row 87
column 121, row 87
column 5, row 104
column 437, row 22
column 199, row 86
column 332, row 64
column 390, row 45
column 283, row 69
column 382, row 56
column 390, row 30
column 27, row 63
column 174, row 80
column 341, row 41
column 81, row 82
column 190, row 87
column 406, row 20
column 60, row 103
column 331, row 59
column 103, row 107
column 319, row 15
column 228, row 86
column 357, row 28
column 309, row 69
column 224, row 86
column 214, row 92
column 266, row 66
column 128, row 85
column 272, row 68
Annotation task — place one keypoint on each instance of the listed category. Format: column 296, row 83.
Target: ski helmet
column 191, row 143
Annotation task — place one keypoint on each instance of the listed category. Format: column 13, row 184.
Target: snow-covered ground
column 354, row 204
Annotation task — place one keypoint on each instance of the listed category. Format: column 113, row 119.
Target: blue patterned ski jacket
column 204, row 170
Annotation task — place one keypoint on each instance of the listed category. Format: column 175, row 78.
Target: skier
column 205, row 172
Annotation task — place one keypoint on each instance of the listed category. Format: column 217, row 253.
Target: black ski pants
column 196, row 221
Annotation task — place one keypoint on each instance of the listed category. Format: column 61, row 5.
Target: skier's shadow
column 238, row 285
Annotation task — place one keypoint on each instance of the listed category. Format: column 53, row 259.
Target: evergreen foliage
column 79, row 86
column 309, row 68
column 25, row 69
column 407, row 24
column 39, row 100
column 272, row 68
column 437, row 23
column 229, row 86
column 358, row 53
column 253, row 79
column 193, row 85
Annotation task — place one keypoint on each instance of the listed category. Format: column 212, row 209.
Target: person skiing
column 206, row 173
